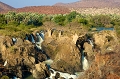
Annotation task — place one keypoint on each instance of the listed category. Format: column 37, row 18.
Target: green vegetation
column 60, row 19
column 4, row 77
column 13, row 23
column 101, row 21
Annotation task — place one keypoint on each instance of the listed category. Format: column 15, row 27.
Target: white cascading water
column 64, row 75
column 91, row 43
column 85, row 64
column 42, row 34
column 5, row 63
column 39, row 41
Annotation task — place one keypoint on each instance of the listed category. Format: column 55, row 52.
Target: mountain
column 92, row 3
column 44, row 9
column 4, row 7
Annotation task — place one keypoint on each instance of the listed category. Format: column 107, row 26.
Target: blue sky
column 23, row 3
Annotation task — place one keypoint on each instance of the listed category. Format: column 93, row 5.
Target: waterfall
column 38, row 41
column 84, row 60
column 64, row 75
column 5, row 63
column 14, row 40
column 26, row 37
column 85, row 64
column 31, row 38
column 42, row 34
column 91, row 42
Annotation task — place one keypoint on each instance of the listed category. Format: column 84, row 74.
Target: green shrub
column 100, row 20
column 71, row 16
column 60, row 20
column 117, row 29
column 5, row 77
column 83, row 21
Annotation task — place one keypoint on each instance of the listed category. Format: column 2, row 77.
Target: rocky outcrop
column 67, row 58
column 21, row 56
column 105, row 40
column 104, row 66
column 40, row 71
column 88, row 48
column 64, row 53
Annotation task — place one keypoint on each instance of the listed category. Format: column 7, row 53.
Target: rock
column 50, row 48
column 105, row 66
column 88, row 49
column 19, row 42
column 57, row 75
column 40, row 57
column 75, row 37
column 67, row 58
column 64, row 53
column 29, row 61
column 105, row 39
column 40, row 71
column 8, row 42
column 19, row 72
column 62, row 78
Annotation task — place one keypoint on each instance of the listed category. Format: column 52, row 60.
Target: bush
column 5, row 77
column 117, row 28
column 2, row 20
column 60, row 20
column 83, row 21
column 101, row 20
column 71, row 16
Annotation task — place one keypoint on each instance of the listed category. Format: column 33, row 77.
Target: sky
column 23, row 3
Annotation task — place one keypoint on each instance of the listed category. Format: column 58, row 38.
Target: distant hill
column 4, row 7
column 82, row 6
column 44, row 9
column 92, row 3
column 41, row 10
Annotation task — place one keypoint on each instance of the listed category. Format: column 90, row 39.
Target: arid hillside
column 41, row 10
column 44, row 9
column 82, row 6
column 4, row 7
column 92, row 4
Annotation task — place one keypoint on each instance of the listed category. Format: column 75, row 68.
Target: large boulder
column 88, row 49
column 19, row 42
column 64, row 53
column 105, row 40
column 50, row 48
column 40, row 71
column 67, row 57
